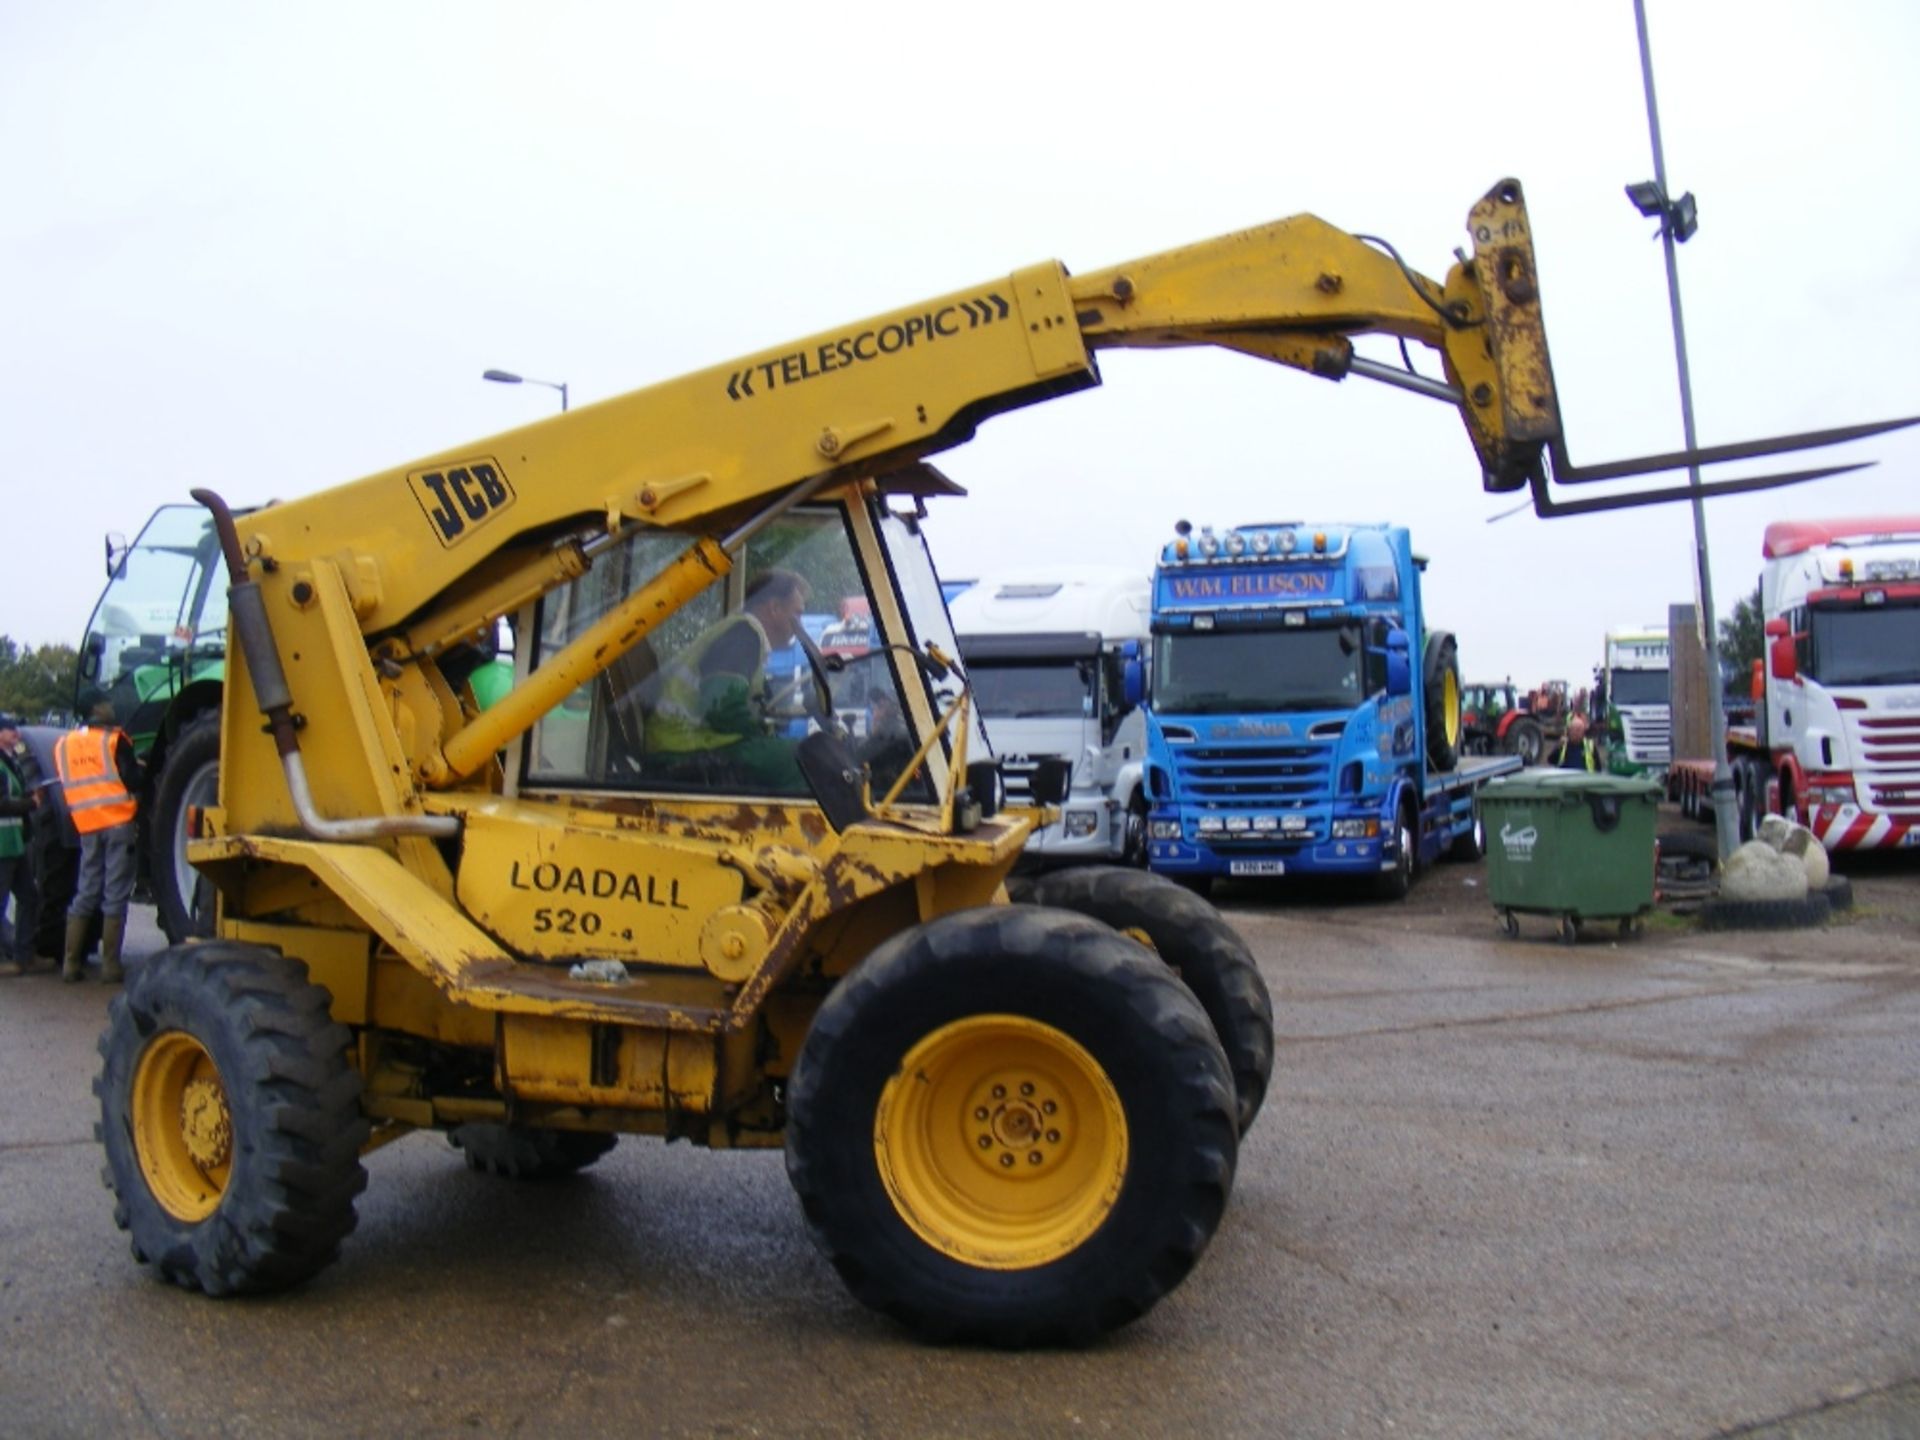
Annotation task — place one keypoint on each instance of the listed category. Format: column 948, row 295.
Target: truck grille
column 1888, row 775
column 1649, row 737
column 1238, row 780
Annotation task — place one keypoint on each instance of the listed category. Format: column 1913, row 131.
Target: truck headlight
column 1165, row 829
column 1212, row 824
column 1081, row 823
column 1355, row 829
column 1832, row 794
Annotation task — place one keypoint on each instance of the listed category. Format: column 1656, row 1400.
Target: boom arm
column 434, row 552
column 873, row 396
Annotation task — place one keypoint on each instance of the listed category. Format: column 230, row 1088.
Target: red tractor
column 1496, row 719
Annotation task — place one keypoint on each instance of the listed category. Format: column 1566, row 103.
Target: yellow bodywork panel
column 559, row 1062
column 551, row 889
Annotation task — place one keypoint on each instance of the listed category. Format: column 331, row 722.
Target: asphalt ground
column 1659, row 1187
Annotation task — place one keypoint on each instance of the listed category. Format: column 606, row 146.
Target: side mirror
column 1782, row 664
column 1776, row 627
column 1757, row 682
column 117, row 552
column 92, row 651
column 1133, row 674
column 1050, row 780
column 1399, row 664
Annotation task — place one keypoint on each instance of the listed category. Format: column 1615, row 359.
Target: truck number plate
column 1260, row 867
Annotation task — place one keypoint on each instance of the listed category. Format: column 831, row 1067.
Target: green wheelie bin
column 1570, row 844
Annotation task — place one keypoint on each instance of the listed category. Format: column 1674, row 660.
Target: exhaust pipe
column 247, row 616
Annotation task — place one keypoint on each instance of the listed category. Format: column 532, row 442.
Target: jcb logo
column 461, row 498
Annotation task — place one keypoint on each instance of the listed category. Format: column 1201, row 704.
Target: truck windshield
column 1223, row 672
column 1639, row 687
column 1030, row 689
column 1878, row 646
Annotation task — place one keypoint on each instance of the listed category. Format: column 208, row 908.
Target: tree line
column 36, row 682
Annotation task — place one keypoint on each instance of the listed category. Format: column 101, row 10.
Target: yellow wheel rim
column 1450, row 706
column 1001, row 1142
column 182, row 1130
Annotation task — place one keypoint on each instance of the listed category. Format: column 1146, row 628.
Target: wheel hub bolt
column 1006, row 1160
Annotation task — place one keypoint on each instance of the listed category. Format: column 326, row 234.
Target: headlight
column 1832, row 795
column 1238, row 824
column 1265, row 823
column 1081, row 823
column 1355, row 829
column 1165, row 829
column 1211, row 824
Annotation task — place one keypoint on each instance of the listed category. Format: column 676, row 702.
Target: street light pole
column 1678, row 219
column 507, row 377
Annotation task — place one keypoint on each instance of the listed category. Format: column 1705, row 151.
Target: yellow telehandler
column 650, row 891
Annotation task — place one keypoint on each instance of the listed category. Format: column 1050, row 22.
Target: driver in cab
column 712, row 704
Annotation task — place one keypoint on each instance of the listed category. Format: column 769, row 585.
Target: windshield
column 1877, row 646
column 162, row 619
column 1225, row 672
column 1031, row 689
column 717, row 698
column 1639, row 687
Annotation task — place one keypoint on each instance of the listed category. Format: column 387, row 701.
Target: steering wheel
column 819, row 698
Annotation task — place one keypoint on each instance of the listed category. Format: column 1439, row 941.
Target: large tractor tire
column 182, row 896
column 1204, row 951
column 231, row 1119
column 517, row 1152
column 1526, row 739
column 1011, row 1126
column 1440, row 671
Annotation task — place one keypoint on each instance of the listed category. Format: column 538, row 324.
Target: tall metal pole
column 1726, row 821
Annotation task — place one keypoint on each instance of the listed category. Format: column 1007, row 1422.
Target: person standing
column 99, row 776
column 1576, row 751
column 17, row 776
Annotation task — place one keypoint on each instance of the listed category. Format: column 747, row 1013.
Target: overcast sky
column 270, row 248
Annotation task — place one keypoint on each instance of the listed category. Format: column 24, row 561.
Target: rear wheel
column 230, row 1117
column 182, row 896
column 1471, row 843
column 1527, row 741
column 1011, row 1126
column 518, row 1152
column 1204, row 951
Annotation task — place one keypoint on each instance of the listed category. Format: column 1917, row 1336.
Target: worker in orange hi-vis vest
column 99, row 776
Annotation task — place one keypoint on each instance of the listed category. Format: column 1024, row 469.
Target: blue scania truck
column 1303, row 719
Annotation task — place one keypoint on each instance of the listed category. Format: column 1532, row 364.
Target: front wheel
column 1396, row 883
column 230, row 1117
column 1011, row 1126
column 1133, row 852
column 182, row 896
column 1204, row 951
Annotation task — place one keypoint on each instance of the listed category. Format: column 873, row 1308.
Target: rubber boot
column 113, row 933
column 70, row 967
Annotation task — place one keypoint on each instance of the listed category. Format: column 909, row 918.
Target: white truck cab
column 1055, row 655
